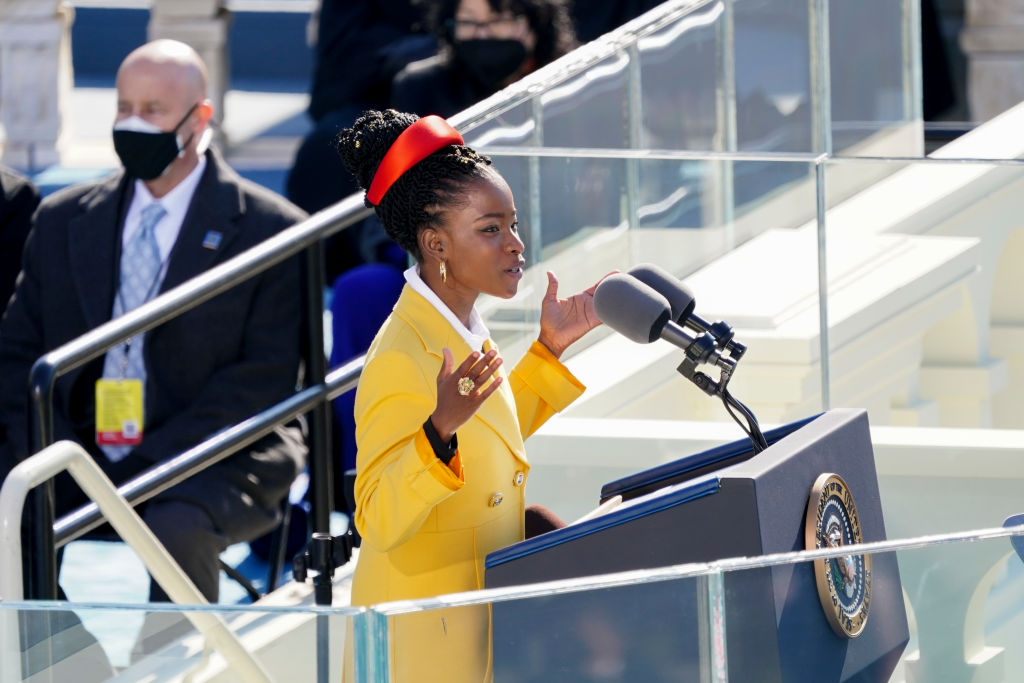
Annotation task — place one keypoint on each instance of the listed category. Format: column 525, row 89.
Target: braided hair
column 417, row 199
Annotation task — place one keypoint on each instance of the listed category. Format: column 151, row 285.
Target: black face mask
column 489, row 61
column 147, row 153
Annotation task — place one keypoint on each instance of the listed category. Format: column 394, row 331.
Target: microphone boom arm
column 722, row 333
column 703, row 350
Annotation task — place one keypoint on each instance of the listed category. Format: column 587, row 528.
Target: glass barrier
column 941, row 612
column 782, row 76
column 85, row 642
column 917, row 262
column 923, row 288
column 731, row 226
column 874, row 52
column 704, row 77
column 936, row 608
column 632, row 632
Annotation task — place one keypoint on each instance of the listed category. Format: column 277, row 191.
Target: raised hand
column 455, row 407
column 563, row 321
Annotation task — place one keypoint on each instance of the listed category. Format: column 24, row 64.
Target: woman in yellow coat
column 440, row 424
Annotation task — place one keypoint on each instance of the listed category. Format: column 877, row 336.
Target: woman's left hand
column 563, row 321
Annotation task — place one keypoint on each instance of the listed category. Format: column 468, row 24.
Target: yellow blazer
column 427, row 527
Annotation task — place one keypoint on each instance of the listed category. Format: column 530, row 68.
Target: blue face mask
column 146, row 151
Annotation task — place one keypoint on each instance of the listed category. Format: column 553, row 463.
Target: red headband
column 416, row 143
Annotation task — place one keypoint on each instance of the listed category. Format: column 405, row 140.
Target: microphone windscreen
column 680, row 299
column 631, row 308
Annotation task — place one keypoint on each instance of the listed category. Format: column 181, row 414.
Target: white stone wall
column 35, row 79
column 203, row 24
column 36, row 73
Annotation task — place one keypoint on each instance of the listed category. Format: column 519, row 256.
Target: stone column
column 203, row 24
column 35, row 79
column 993, row 42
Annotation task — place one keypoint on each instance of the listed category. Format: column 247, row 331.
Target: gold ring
column 466, row 385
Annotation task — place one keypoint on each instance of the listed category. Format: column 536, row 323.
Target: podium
column 725, row 502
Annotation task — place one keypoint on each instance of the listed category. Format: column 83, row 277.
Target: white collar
column 176, row 203
column 475, row 335
column 180, row 195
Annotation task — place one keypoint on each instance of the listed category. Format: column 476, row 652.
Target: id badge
column 119, row 412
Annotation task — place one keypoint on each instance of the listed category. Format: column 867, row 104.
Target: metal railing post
column 714, row 665
column 377, row 654
column 40, row 558
column 823, row 331
column 821, row 76
column 726, row 136
column 536, row 239
column 319, row 417
column 634, row 125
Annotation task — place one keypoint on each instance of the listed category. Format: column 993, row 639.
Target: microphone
column 661, row 281
column 682, row 304
column 639, row 313
column 646, row 303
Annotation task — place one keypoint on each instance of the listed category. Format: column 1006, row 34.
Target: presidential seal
column 844, row 582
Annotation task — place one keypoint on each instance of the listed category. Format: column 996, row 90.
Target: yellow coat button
column 519, row 479
column 495, row 500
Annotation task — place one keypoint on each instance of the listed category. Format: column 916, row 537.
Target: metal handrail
column 685, row 570
column 182, row 298
column 67, row 455
column 161, row 477
column 41, row 540
column 256, row 260
column 304, row 236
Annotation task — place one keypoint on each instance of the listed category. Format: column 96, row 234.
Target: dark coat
column 207, row 369
column 436, row 85
column 594, row 18
column 361, row 45
column 18, row 199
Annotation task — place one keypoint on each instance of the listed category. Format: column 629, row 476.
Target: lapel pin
column 212, row 239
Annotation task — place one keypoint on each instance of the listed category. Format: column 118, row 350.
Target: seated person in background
column 360, row 46
column 440, row 424
column 485, row 46
column 101, row 249
column 594, row 18
column 18, row 199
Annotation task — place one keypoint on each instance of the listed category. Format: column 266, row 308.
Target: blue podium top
column 638, row 507
column 650, row 491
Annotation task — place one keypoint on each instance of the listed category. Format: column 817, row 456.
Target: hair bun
column 363, row 146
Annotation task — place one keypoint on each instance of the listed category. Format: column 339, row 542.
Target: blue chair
column 363, row 299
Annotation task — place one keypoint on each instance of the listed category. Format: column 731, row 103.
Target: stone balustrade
column 36, row 73
column 35, row 79
column 203, row 24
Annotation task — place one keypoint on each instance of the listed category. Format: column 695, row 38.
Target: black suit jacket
column 207, row 369
column 18, row 199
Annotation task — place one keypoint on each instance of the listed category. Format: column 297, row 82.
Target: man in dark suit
column 100, row 249
column 18, row 199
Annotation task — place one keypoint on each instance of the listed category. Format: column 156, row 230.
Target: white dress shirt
column 175, row 203
column 475, row 335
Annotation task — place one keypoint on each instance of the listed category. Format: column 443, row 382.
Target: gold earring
column 444, row 273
